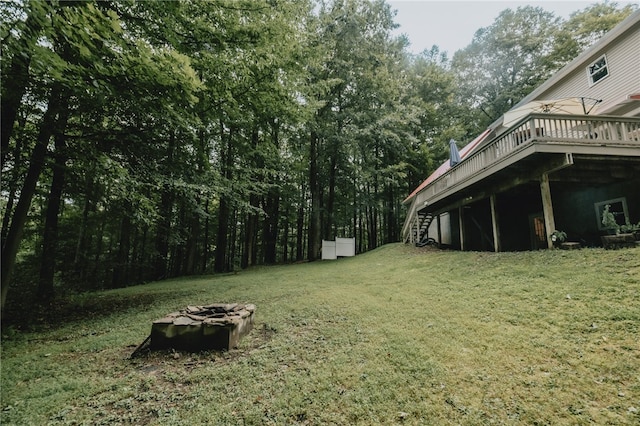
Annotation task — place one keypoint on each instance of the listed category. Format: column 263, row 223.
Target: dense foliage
column 145, row 140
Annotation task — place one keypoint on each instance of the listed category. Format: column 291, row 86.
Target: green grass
column 395, row 336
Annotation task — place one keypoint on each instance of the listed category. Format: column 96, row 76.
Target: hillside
column 397, row 335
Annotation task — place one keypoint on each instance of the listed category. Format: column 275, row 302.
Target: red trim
column 445, row 166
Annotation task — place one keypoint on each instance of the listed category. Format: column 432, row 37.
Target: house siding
column 623, row 58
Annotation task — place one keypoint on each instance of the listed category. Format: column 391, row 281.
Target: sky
column 451, row 24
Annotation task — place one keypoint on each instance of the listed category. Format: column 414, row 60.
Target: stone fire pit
column 196, row 328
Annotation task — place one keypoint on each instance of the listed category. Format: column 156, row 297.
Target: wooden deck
column 560, row 135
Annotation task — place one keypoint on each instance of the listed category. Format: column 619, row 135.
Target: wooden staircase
column 420, row 228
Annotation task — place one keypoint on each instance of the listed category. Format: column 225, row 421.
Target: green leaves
column 523, row 48
column 583, row 28
column 503, row 62
column 230, row 121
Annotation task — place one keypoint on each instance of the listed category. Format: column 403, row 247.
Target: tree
column 355, row 79
column 437, row 114
column 80, row 51
column 502, row 63
column 19, row 40
column 583, row 28
column 158, row 139
column 523, row 48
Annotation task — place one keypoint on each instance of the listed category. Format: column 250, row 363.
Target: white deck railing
column 554, row 129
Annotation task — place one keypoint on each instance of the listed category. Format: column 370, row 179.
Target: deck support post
column 439, row 230
column 461, row 226
column 547, row 208
column 494, row 222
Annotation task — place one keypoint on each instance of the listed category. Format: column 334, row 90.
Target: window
column 618, row 206
column 598, row 70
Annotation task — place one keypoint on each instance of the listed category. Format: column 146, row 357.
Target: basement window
column 598, row 70
column 617, row 206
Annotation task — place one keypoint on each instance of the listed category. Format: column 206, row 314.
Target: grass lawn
column 395, row 336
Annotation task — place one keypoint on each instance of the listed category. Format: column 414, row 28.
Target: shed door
column 537, row 231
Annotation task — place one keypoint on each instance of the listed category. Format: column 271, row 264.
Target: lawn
column 398, row 335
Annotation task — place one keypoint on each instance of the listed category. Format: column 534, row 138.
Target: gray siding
column 623, row 61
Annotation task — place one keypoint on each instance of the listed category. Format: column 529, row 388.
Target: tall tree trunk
column 314, row 185
column 372, row 228
column 392, row 226
column 50, row 232
column 143, row 271
column 354, row 223
column 134, row 263
column 95, row 272
column 270, row 226
column 374, row 211
column 272, row 208
column 360, row 247
column 250, row 226
column 195, row 225
column 18, row 74
column 13, row 183
column 57, row 105
column 300, row 234
column 285, row 236
column 164, row 223
column 251, row 221
column 192, row 242
column 330, row 231
column 234, row 258
column 387, row 216
column 162, row 234
column 177, row 256
column 80, row 259
column 205, row 251
column 221, row 263
column 121, row 264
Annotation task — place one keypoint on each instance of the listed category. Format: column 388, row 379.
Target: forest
column 146, row 140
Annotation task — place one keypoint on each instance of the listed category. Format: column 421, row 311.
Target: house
column 553, row 162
